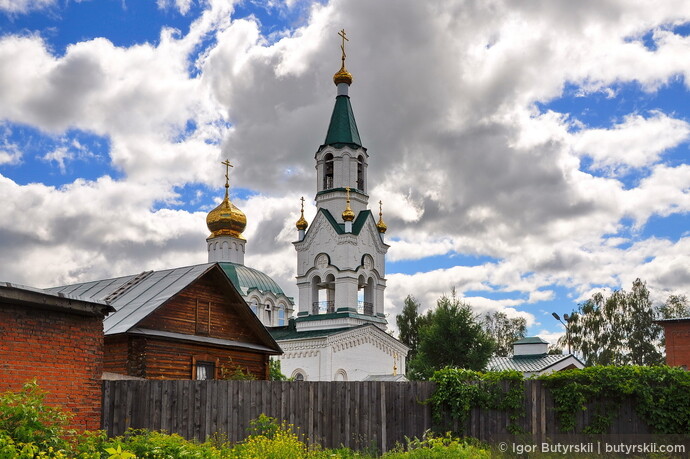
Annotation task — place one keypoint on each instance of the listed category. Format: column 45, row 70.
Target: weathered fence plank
column 354, row 414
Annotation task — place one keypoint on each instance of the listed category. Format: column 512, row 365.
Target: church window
column 360, row 173
column 299, row 375
column 269, row 315
column 281, row 315
column 328, row 172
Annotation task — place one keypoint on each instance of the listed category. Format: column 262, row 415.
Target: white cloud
column 636, row 142
column 459, row 154
column 24, row 6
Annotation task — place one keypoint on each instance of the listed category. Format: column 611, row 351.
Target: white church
column 339, row 333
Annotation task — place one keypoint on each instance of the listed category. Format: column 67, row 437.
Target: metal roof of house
column 531, row 340
column 22, row 295
column 527, row 364
column 135, row 297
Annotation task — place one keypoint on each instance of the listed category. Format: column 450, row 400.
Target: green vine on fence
column 458, row 391
column 659, row 395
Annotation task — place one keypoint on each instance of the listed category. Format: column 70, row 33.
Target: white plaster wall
column 359, row 353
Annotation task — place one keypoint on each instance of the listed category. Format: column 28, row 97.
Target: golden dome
column 348, row 214
column 342, row 76
column 302, row 223
column 381, row 226
column 226, row 219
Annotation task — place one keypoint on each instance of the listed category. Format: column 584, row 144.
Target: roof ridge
column 126, row 286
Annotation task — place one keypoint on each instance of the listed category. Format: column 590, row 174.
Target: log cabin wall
column 174, row 360
column 115, row 357
column 203, row 309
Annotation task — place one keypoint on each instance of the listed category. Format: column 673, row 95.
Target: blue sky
column 526, row 156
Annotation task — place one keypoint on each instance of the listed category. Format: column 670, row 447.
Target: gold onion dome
column 381, row 226
column 302, row 223
column 342, row 76
column 226, row 219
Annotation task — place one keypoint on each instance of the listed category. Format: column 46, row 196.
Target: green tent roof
column 343, row 129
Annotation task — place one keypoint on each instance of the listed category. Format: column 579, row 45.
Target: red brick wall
column 63, row 352
column 677, row 343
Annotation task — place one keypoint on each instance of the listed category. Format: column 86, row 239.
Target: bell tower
column 341, row 255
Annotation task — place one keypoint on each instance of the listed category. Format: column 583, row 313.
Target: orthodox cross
column 342, row 47
column 302, row 199
column 380, row 208
column 227, row 165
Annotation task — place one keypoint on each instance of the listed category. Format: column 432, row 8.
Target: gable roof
column 137, row 296
column 529, row 363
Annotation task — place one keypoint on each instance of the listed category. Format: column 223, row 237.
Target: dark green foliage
column 504, row 331
column 459, row 391
column 408, row 322
column 450, row 335
column 620, row 329
column 660, row 396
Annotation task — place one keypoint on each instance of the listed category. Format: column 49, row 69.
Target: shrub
column 435, row 447
column 26, row 424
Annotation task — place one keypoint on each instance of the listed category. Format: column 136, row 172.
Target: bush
column 27, row 425
column 433, row 447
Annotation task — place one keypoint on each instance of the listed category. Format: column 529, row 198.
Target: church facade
column 339, row 332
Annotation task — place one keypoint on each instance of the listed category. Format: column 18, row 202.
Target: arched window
column 360, row 172
column 299, row 375
column 328, row 172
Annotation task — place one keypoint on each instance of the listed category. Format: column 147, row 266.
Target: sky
column 528, row 154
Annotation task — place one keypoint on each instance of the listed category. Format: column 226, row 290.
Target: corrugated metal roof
column 140, row 299
column 524, row 364
column 135, row 297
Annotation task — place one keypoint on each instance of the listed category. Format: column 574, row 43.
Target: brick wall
column 677, row 343
column 61, row 350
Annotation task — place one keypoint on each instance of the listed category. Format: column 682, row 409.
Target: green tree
column 504, row 331
column 408, row 326
column 620, row 329
column 275, row 373
column 450, row 335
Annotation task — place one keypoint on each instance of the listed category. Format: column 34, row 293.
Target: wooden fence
column 353, row 414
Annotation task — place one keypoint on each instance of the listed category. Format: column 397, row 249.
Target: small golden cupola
column 226, row 219
column 342, row 75
column 302, row 223
column 381, row 226
column 348, row 214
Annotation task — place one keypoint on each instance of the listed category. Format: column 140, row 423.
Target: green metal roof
column 357, row 225
column 531, row 340
column 343, row 129
column 526, row 363
column 287, row 332
column 246, row 279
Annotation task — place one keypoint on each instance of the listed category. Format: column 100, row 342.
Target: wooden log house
column 182, row 323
